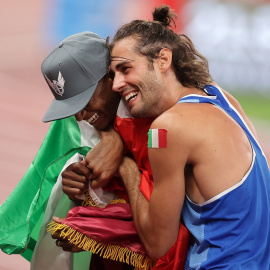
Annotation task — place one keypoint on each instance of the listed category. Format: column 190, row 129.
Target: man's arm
column 99, row 166
column 157, row 221
column 104, row 159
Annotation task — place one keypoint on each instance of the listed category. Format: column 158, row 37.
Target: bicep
column 169, row 184
column 168, row 176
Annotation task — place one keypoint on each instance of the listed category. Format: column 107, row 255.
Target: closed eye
column 111, row 74
column 124, row 69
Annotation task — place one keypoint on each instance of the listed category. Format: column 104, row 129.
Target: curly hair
column 190, row 67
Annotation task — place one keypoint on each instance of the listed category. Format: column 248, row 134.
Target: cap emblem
column 57, row 86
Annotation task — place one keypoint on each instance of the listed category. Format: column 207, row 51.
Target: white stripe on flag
column 155, row 138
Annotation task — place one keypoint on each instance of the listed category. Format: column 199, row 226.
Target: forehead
column 123, row 51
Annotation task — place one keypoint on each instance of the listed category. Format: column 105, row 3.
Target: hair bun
column 165, row 15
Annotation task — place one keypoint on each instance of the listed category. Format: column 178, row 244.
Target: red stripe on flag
column 162, row 134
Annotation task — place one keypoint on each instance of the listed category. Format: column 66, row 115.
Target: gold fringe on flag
column 116, row 201
column 88, row 201
column 107, row 251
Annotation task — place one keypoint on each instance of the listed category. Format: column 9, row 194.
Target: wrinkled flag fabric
column 22, row 213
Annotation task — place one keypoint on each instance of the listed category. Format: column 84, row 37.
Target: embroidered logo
column 58, row 86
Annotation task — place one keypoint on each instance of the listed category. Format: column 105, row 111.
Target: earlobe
column 165, row 58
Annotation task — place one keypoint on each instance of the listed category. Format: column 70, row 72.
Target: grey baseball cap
column 72, row 71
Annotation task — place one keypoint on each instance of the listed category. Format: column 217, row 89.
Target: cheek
column 112, row 103
column 80, row 115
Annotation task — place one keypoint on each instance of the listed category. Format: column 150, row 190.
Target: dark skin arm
column 104, row 159
column 100, row 165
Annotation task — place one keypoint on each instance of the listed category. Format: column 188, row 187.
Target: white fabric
column 47, row 256
column 89, row 135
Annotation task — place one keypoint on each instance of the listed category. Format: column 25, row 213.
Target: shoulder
column 181, row 123
column 192, row 127
column 183, row 118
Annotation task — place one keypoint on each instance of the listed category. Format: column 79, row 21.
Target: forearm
column 111, row 135
column 104, row 159
column 113, row 140
column 148, row 220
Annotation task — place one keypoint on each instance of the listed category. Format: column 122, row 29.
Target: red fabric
column 110, row 225
column 146, row 184
column 175, row 258
column 134, row 133
column 116, row 185
column 113, row 224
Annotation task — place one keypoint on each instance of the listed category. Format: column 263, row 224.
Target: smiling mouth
column 93, row 119
column 130, row 97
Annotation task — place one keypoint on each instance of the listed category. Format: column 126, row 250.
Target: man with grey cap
column 77, row 73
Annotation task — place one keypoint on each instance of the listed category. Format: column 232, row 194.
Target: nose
column 118, row 82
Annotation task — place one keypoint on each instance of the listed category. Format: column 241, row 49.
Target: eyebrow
column 122, row 59
column 119, row 58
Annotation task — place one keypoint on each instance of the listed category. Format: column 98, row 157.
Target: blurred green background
column 255, row 106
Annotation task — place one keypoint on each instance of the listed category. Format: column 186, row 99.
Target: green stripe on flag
column 22, row 213
column 150, row 138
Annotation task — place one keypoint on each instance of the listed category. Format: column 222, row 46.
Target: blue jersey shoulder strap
column 218, row 98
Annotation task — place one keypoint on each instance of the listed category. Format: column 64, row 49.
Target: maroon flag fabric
column 108, row 231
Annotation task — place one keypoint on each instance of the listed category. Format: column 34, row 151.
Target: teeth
column 93, row 119
column 130, row 96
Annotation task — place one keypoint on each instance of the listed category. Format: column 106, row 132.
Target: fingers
column 57, row 242
column 75, row 170
column 57, row 219
column 63, row 242
column 99, row 182
column 72, row 192
column 83, row 162
column 56, row 235
column 75, row 179
column 66, row 246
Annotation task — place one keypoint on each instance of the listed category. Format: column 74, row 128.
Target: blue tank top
column 231, row 230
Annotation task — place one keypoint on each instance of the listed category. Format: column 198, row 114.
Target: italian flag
column 38, row 196
column 157, row 138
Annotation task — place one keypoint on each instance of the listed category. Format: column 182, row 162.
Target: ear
column 164, row 59
column 80, row 115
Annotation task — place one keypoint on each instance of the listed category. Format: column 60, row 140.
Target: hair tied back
column 164, row 15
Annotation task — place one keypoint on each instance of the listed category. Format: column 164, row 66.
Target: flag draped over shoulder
column 22, row 213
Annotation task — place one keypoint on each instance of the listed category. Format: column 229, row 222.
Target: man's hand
column 63, row 243
column 75, row 180
column 104, row 159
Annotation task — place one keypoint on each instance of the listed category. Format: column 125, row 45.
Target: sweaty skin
column 204, row 145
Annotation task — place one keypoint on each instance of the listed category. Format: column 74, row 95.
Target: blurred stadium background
column 233, row 35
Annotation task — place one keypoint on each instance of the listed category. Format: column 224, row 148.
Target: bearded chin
column 144, row 113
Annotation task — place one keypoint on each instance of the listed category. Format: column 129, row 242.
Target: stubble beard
column 150, row 88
